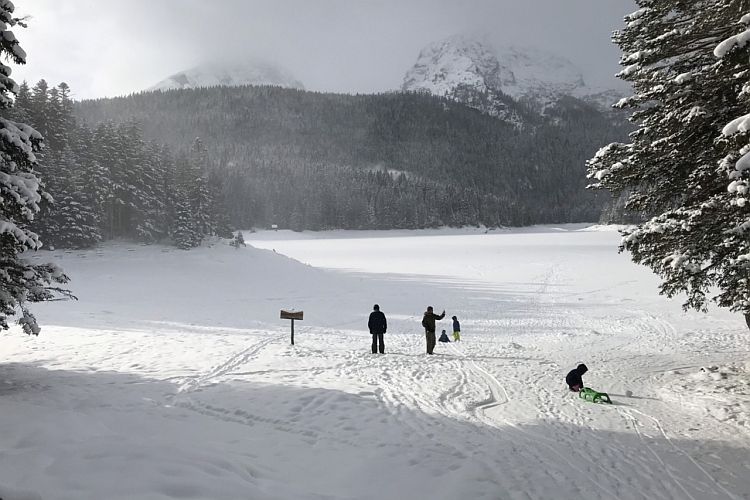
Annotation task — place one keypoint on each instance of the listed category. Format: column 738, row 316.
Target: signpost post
column 292, row 315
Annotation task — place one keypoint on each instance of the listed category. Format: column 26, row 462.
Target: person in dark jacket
column 574, row 378
column 428, row 322
column 444, row 337
column 377, row 325
column 456, row 329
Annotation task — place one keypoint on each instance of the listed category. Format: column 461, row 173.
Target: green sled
column 592, row 396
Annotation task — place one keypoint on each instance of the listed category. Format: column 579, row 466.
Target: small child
column 444, row 337
column 456, row 329
column 574, row 379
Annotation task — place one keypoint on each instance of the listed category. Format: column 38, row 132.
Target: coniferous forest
column 305, row 160
column 183, row 165
column 107, row 181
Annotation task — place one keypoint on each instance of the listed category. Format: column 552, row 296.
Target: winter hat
column 429, row 308
column 582, row 369
column 453, row 318
column 376, row 307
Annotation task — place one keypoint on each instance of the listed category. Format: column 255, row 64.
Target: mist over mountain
column 481, row 76
column 231, row 74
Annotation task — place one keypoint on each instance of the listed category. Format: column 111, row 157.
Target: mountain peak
column 523, row 73
column 454, row 61
column 466, row 70
column 230, row 74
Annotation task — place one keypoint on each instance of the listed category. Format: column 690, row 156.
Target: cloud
column 104, row 48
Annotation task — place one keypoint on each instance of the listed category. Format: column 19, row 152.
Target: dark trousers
column 430, row 341
column 378, row 338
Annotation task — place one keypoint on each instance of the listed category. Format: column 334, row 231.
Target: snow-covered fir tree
column 22, row 104
column 185, row 234
column 111, row 183
column 74, row 209
column 38, row 106
column 20, row 194
column 196, row 184
column 69, row 219
column 218, row 211
column 238, row 240
column 94, row 181
column 685, row 170
column 201, row 211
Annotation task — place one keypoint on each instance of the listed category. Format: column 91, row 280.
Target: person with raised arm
column 428, row 322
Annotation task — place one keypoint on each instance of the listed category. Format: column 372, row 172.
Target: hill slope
column 392, row 160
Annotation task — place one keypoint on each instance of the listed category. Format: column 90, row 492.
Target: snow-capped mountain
column 465, row 70
column 537, row 75
column 530, row 75
column 443, row 66
column 231, row 75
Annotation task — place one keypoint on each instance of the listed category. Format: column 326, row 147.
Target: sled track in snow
column 441, row 420
column 430, row 421
column 628, row 414
column 499, row 396
column 492, row 443
column 307, row 433
column 238, row 359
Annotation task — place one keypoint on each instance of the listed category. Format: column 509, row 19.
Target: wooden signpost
column 292, row 315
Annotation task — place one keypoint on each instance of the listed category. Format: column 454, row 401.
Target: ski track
column 196, row 382
column 488, row 403
column 499, row 396
column 607, row 471
column 616, row 467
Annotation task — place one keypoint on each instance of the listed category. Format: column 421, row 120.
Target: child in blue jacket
column 456, row 329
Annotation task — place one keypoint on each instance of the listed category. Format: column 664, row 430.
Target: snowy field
column 173, row 377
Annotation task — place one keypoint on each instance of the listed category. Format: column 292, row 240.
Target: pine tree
column 200, row 206
column 238, row 240
column 206, row 208
column 55, row 121
column 201, row 197
column 20, row 193
column 21, row 111
column 74, row 211
column 70, row 219
column 683, row 169
column 39, row 107
column 105, row 144
column 93, row 180
column 218, row 211
column 185, row 234
column 168, row 185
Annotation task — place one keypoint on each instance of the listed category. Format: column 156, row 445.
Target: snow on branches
column 20, row 194
column 687, row 168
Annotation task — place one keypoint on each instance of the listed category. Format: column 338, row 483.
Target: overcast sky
column 113, row 47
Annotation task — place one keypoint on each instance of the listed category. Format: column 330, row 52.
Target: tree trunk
column 747, row 319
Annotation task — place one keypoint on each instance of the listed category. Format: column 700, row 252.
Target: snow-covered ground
column 173, row 376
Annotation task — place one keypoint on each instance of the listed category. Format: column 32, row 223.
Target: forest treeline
column 108, row 182
column 182, row 165
column 306, row 160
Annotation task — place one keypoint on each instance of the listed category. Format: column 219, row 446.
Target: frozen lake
column 173, row 377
